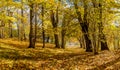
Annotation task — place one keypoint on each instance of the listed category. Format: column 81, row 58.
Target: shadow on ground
column 40, row 54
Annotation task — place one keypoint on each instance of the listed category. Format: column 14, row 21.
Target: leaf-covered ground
column 13, row 58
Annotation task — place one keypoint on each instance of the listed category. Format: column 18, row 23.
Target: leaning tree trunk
column 84, row 26
column 31, row 34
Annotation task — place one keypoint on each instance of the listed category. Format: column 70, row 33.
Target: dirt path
column 114, row 64
column 103, row 61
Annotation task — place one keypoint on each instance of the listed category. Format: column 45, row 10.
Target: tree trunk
column 56, row 41
column 48, row 38
column 23, row 36
column 11, row 35
column 35, row 26
column 94, row 41
column 88, row 43
column 18, row 31
column 81, row 42
column 63, row 39
column 63, row 33
column 10, row 25
column 31, row 34
column 94, row 31
column 55, row 25
column 43, row 30
column 104, row 45
column 103, row 40
column 18, row 27
column 84, row 26
column 2, row 32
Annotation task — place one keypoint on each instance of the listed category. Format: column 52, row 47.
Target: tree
column 84, row 25
column 31, row 34
column 103, row 40
column 43, row 30
column 23, row 36
column 55, row 20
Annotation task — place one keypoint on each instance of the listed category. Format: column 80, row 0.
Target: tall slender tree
column 55, row 20
column 103, row 40
column 23, row 37
column 43, row 30
column 31, row 34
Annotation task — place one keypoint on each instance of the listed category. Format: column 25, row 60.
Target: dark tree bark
column 103, row 40
column 11, row 35
column 31, row 34
column 55, row 25
column 63, row 38
column 63, row 42
column 48, row 38
column 63, row 33
column 56, row 41
column 43, row 30
column 84, row 25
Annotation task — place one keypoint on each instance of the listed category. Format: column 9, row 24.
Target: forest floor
column 17, row 57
